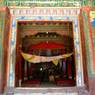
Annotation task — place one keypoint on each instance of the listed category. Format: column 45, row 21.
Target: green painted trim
column 2, row 23
column 87, row 45
column 48, row 3
column 91, row 75
column 43, row 3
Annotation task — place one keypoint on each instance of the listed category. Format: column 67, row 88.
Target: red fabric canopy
column 47, row 45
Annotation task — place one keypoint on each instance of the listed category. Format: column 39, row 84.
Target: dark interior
column 51, row 39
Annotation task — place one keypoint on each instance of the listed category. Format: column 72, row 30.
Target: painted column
column 88, row 41
column 92, row 29
column 4, row 31
column 1, row 46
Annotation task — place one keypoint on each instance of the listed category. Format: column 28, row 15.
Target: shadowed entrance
column 50, row 47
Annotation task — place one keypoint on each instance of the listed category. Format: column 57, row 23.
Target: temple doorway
column 45, row 54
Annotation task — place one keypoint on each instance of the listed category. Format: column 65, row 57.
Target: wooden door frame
column 79, row 72
column 18, row 64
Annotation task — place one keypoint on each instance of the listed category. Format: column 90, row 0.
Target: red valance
column 47, row 45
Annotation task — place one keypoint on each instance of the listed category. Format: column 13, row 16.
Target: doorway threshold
column 47, row 90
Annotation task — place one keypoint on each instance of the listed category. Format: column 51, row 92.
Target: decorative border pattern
column 74, row 19
column 40, row 11
column 88, row 45
column 43, row 3
column 92, row 23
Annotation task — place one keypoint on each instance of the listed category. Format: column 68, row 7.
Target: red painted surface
column 85, row 72
column 47, row 45
column 18, row 65
column 64, row 82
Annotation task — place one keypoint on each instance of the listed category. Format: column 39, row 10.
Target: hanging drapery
column 55, row 62
column 46, row 45
column 37, row 59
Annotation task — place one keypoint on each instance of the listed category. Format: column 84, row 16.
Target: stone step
column 47, row 91
column 47, row 94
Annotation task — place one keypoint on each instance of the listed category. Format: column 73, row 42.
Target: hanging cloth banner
column 37, row 59
column 55, row 62
column 27, row 57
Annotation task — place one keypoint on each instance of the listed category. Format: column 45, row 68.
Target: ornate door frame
column 69, row 14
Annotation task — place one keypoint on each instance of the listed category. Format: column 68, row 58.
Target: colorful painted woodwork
column 4, row 37
column 88, row 41
column 26, row 14
column 66, row 14
column 43, row 3
column 92, row 29
column 47, row 3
